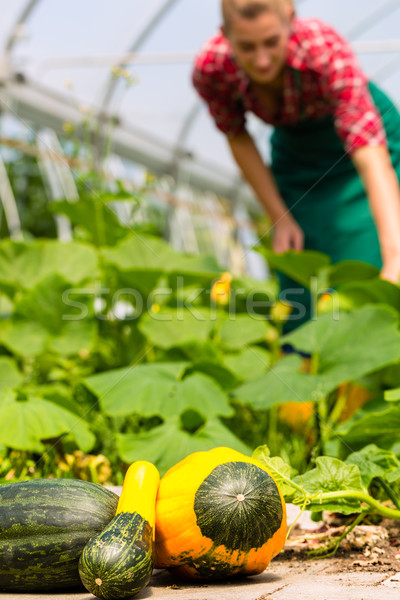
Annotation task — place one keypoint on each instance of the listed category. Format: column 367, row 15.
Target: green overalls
column 323, row 191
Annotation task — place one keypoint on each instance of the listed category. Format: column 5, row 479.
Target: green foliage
column 30, row 196
column 341, row 350
column 383, row 423
column 332, row 484
column 26, row 420
column 373, row 462
column 114, row 344
column 170, row 442
column 301, row 267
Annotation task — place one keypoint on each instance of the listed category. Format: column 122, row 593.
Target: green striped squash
column 44, row 526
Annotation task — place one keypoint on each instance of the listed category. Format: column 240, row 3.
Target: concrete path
column 283, row 580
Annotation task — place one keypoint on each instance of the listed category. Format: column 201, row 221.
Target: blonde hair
column 250, row 9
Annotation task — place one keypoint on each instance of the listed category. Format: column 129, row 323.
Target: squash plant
column 363, row 342
column 114, row 345
column 61, row 326
column 366, row 483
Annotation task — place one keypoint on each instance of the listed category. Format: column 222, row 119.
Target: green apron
column 323, row 191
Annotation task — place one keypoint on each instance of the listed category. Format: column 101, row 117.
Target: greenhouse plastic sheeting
column 131, row 59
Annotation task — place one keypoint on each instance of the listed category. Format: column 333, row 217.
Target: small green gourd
column 118, row 562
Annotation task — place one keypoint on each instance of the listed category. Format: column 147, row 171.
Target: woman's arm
column 287, row 233
column 382, row 187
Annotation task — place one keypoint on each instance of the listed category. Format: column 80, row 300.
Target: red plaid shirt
column 330, row 83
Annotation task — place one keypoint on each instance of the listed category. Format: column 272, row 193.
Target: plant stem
column 314, row 364
column 272, row 429
column 340, row 404
column 335, row 545
column 390, row 513
column 389, row 491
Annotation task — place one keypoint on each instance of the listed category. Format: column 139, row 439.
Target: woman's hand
column 288, row 235
column 382, row 185
column 391, row 269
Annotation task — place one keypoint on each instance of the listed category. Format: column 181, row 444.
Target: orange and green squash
column 118, row 562
column 219, row 513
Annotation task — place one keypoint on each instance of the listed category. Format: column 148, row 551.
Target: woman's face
column 260, row 45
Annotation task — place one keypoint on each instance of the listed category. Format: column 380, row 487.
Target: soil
column 367, row 548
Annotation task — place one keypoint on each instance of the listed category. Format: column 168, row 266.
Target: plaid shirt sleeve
column 211, row 80
column 344, row 87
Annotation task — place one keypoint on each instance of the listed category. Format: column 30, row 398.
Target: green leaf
column 332, row 475
column 201, row 393
column 242, row 330
column 392, row 395
column 26, row 422
column 300, row 266
column 252, row 296
column 53, row 303
column 60, row 395
column 25, row 264
column 174, row 327
column 248, row 364
column 10, row 376
column 141, row 389
column 225, row 377
column 6, row 306
column 52, row 316
column 93, row 214
column 376, row 291
column 184, row 270
column 366, row 340
column 371, row 427
column 283, row 383
column 167, row 444
column 264, row 289
column 393, row 476
column 140, row 253
column 345, row 271
column 198, row 351
column 281, row 471
column 137, row 264
column 374, row 462
column 150, row 390
column 76, row 336
column 24, row 338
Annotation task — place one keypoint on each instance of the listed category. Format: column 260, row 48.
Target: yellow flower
column 155, row 308
column 68, row 127
column 221, row 288
column 281, row 310
column 116, row 71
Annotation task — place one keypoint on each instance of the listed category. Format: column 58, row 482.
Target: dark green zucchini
column 44, row 526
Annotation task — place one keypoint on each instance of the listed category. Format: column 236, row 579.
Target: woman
column 332, row 185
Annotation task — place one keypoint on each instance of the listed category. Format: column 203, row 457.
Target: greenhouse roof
column 131, row 59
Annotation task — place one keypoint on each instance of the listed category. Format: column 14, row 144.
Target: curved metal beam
column 386, row 70
column 136, row 44
column 376, row 14
column 179, row 150
column 25, row 13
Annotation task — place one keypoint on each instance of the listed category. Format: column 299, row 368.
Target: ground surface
column 366, row 567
